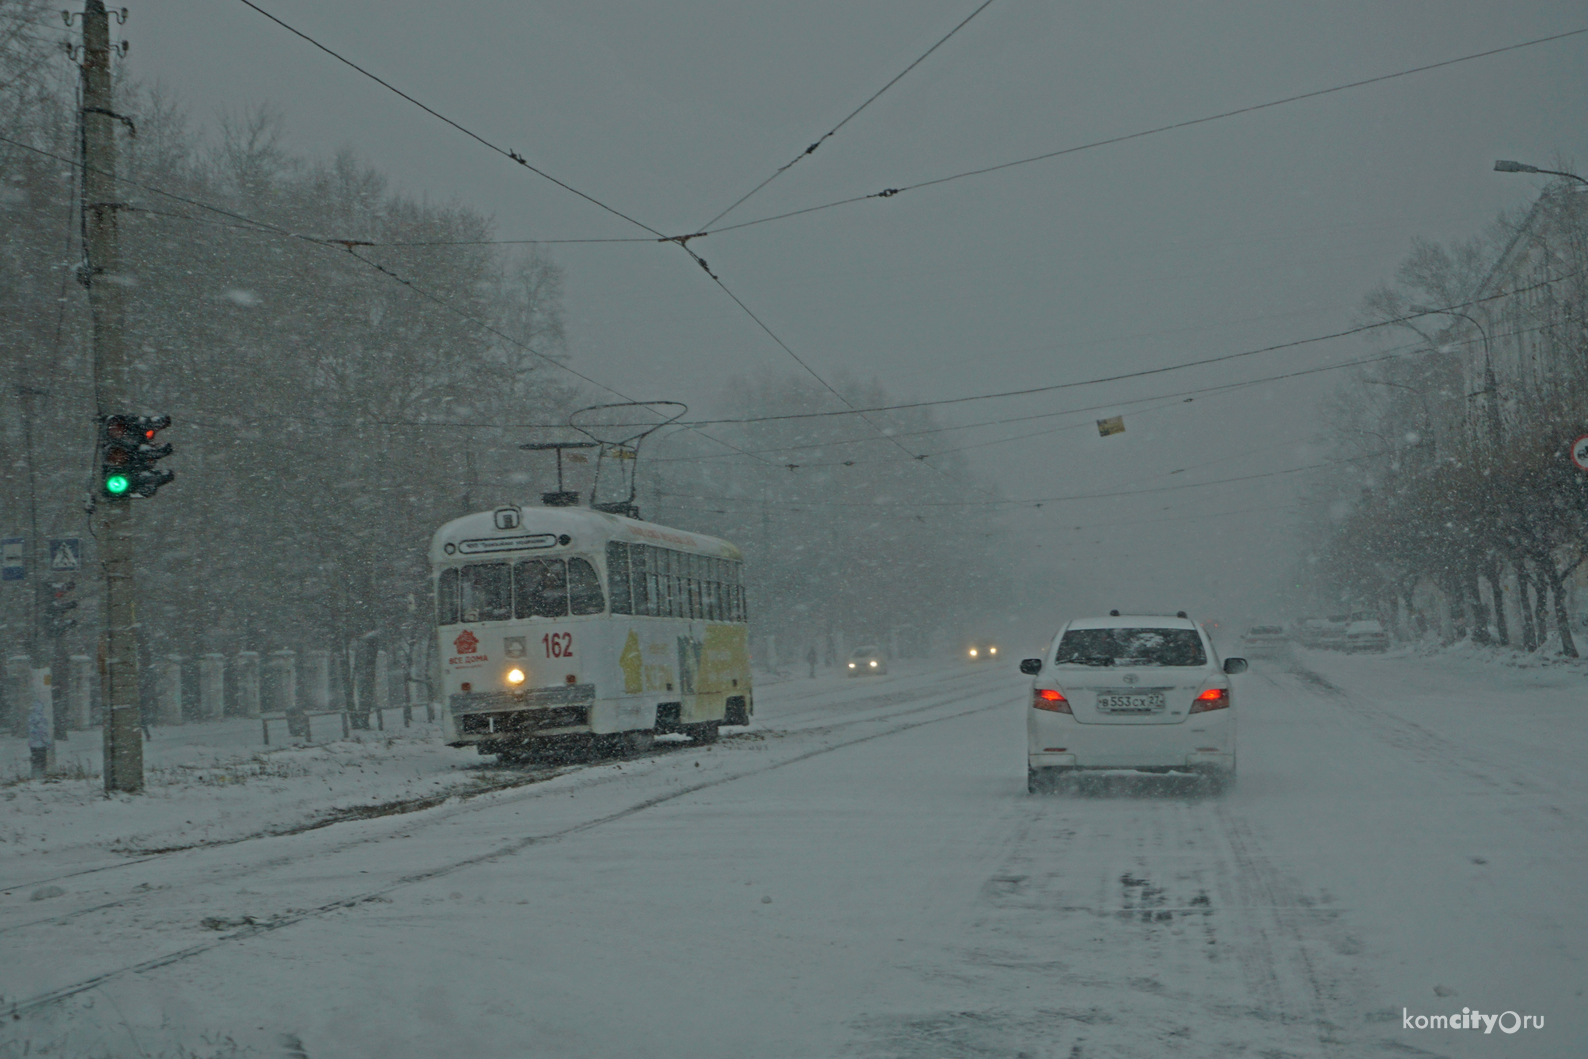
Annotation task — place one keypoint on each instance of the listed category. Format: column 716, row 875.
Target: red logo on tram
column 466, row 642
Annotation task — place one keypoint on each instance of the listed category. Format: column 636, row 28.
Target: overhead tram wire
column 681, row 241
column 915, row 457
column 824, row 137
column 503, row 151
column 1039, row 501
column 1137, row 374
column 1182, row 395
column 1125, row 403
column 890, row 192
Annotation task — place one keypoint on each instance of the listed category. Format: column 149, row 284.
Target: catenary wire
column 1039, row 501
column 1361, row 329
column 824, row 137
column 268, row 228
column 890, row 192
column 504, row 152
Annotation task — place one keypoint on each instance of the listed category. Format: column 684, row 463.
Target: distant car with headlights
column 982, row 651
column 1368, row 635
column 1265, row 641
column 867, row 662
column 1142, row 692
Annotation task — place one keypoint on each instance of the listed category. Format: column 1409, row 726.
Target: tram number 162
column 558, row 644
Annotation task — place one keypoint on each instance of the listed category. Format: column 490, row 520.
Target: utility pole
column 112, row 393
column 38, row 559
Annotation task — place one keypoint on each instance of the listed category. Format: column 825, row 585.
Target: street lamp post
column 1490, row 382
column 1503, row 166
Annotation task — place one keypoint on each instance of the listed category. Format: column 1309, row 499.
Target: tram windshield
column 532, row 588
column 478, row 592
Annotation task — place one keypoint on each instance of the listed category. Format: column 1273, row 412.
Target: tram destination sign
column 526, row 542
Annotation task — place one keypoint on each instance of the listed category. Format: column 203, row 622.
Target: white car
column 1142, row 692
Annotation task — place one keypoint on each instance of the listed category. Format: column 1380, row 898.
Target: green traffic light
column 117, row 484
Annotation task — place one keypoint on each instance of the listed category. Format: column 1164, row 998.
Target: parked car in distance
column 868, row 661
column 1142, row 692
column 1307, row 630
column 1367, row 635
column 1265, row 641
column 1331, row 632
column 982, row 651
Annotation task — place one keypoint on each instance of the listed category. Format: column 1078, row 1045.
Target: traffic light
column 127, row 455
column 56, row 623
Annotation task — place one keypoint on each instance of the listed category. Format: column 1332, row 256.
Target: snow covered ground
column 860, row 874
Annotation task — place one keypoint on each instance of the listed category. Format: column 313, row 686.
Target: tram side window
column 618, row 578
column 642, row 577
column 584, row 588
column 447, row 597
column 669, row 583
column 542, row 588
column 711, row 590
column 484, row 592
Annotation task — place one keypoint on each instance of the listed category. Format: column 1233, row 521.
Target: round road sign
column 1579, row 453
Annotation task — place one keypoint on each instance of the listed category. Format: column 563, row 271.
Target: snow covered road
column 863, row 874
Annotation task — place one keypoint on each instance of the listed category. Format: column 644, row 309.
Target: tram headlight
column 515, row 676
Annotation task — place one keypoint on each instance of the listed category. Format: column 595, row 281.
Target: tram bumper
column 492, row 719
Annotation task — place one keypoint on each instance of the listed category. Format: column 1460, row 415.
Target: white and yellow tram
column 564, row 627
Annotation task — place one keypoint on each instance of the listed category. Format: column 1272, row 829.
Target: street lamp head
column 1502, row 166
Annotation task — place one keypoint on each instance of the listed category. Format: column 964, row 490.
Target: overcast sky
column 1241, row 233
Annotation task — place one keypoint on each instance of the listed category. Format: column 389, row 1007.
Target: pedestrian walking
column 810, row 659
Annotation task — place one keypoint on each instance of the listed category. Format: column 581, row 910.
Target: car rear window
column 1131, row 647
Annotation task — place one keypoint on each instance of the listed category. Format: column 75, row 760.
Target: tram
column 565, row 630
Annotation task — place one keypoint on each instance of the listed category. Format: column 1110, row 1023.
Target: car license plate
column 1130, row 701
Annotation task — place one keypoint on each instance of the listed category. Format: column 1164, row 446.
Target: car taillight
column 1212, row 699
column 1053, row 701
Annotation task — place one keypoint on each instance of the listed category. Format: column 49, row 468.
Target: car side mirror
column 1235, row 665
column 1031, row 666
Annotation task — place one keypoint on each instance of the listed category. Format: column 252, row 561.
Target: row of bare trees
column 1459, row 505
column 316, row 399
column 850, row 536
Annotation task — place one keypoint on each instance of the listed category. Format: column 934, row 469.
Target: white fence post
column 382, row 686
column 283, row 680
column 19, row 692
column 79, row 691
column 317, row 679
column 212, row 686
column 170, row 690
column 247, row 683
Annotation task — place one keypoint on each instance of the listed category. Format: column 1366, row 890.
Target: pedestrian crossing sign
column 66, row 553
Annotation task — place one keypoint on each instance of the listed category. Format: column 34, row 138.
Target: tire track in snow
column 1443, row 756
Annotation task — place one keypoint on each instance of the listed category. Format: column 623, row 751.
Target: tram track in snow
column 511, row 848
column 524, row 776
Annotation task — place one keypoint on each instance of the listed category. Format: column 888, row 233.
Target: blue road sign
column 13, row 562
